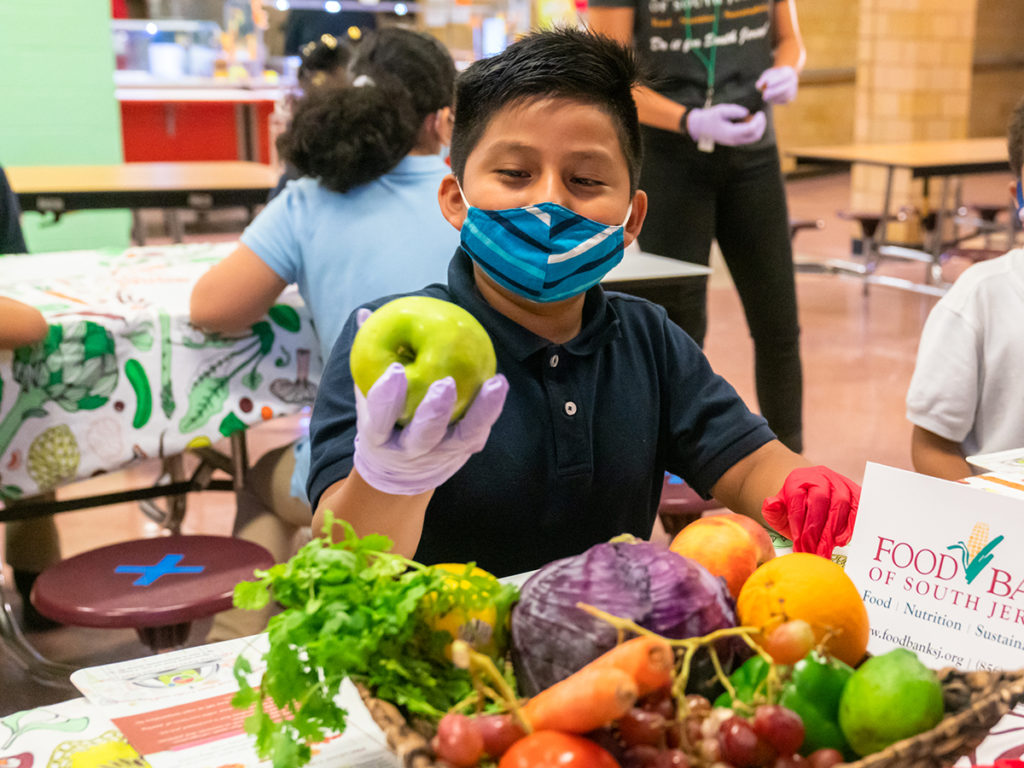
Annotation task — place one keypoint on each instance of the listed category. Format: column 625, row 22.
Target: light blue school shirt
column 346, row 249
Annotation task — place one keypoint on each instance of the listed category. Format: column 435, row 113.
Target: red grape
column 641, row 726
column 499, row 733
column 790, row 761
column 824, row 758
column 738, row 742
column 660, row 701
column 458, row 741
column 780, row 727
column 640, row 756
column 742, row 745
column 671, row 758
column 790, row 641
column 697, row 705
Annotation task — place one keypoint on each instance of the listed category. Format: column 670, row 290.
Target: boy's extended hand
column 816, row 508
column 428, row 450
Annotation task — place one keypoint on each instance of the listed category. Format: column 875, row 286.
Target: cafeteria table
column 199, row 186
column 124, row 376
column 944, row 159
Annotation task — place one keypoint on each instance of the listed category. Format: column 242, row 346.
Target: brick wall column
column 914, row 61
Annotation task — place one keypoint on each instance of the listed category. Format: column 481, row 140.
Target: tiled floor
column 858, row 357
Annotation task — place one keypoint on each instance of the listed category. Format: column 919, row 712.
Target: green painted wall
column 58, row 108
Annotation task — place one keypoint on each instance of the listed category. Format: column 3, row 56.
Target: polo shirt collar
column 600, row 321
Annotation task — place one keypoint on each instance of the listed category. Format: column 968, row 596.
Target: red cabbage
column 639, row 580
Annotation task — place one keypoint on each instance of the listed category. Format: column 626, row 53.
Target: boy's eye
column 586, row 181
column 512, row 173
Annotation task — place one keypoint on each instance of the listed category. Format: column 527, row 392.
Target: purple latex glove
column 427, row 451
column 778, row 85
column 725, row 124
column 816, row 508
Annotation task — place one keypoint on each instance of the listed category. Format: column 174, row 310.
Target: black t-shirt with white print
column 672, row 37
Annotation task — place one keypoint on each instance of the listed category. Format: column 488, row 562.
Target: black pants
column 736, row 196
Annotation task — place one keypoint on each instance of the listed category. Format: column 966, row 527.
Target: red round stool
column 157, row 587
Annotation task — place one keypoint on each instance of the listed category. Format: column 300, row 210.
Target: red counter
column 178, row 124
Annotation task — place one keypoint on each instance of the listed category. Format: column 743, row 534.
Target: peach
column 729, row 545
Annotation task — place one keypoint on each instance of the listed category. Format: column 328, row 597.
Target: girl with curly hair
column 362, row 222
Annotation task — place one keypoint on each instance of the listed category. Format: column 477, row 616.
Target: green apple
column 432, row 339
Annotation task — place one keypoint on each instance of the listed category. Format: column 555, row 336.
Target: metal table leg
column 13, row 641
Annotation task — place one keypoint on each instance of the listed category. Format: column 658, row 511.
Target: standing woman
column 711, row 167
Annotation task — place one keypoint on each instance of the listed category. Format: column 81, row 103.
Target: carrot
column 649, row 660
column 587, row 699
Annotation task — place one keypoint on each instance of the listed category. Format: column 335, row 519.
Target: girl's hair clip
column 362, row 81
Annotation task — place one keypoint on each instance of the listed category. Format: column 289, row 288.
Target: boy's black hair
column 561, row 63
column 1015, row 139
column 349, row 135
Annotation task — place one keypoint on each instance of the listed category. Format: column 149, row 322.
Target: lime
column 889, row 697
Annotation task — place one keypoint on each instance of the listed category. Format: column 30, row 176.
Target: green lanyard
column 707, row 60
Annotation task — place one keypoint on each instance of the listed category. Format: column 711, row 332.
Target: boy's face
column 548, row 150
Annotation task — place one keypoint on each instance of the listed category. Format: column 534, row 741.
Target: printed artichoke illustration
column 74, row 367
column 53, row 457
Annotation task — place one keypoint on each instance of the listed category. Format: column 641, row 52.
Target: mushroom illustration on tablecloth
column 300, row 391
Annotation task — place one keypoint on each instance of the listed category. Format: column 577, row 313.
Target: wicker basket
column 975, row 702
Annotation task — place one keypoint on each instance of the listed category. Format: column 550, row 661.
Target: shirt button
column 553, row 361
column 570, row 408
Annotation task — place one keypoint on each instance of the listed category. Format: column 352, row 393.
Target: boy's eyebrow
column 511, row 145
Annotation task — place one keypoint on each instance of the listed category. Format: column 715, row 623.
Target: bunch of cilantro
column 353, row 609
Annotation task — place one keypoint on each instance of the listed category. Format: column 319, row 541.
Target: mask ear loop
column 1020, row 199
column 462, row 194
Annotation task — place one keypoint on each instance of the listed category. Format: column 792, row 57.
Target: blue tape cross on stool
column 149, row 573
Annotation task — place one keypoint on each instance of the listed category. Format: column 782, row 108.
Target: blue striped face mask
column 543, row 252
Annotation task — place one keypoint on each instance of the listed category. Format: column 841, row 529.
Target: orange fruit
column 808, row 587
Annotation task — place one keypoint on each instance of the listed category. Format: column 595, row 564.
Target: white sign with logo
column 938, row 565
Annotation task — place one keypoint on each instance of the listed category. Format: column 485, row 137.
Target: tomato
column 551, row 749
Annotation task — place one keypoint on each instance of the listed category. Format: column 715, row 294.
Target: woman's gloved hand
column 427, row 451
column 725, row 124
column 816, row 508
column 778, row 85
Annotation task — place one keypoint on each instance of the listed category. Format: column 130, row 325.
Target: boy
column 964, row 396
column 603, row 392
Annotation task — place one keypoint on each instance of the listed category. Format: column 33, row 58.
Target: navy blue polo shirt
column 580, row 449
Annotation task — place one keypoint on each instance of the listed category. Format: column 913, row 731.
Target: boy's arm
column 653, row 109
column 400, row 518
column 747, row 483
column 812, row 505
column 20, row 324
column 235, row 293
column 937, row 456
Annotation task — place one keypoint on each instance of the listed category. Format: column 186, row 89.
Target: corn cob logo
column 977, row 552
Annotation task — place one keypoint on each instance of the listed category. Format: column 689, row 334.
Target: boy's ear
column 636, row 218
column 449, row 196
column 445, row 121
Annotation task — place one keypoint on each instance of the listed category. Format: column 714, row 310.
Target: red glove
column 1003, row 763
column 816, row 508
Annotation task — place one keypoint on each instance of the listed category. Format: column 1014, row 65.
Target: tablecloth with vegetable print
column 123, row 375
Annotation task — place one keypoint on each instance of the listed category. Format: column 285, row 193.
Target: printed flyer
column 938, row 565
column 175, row 709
